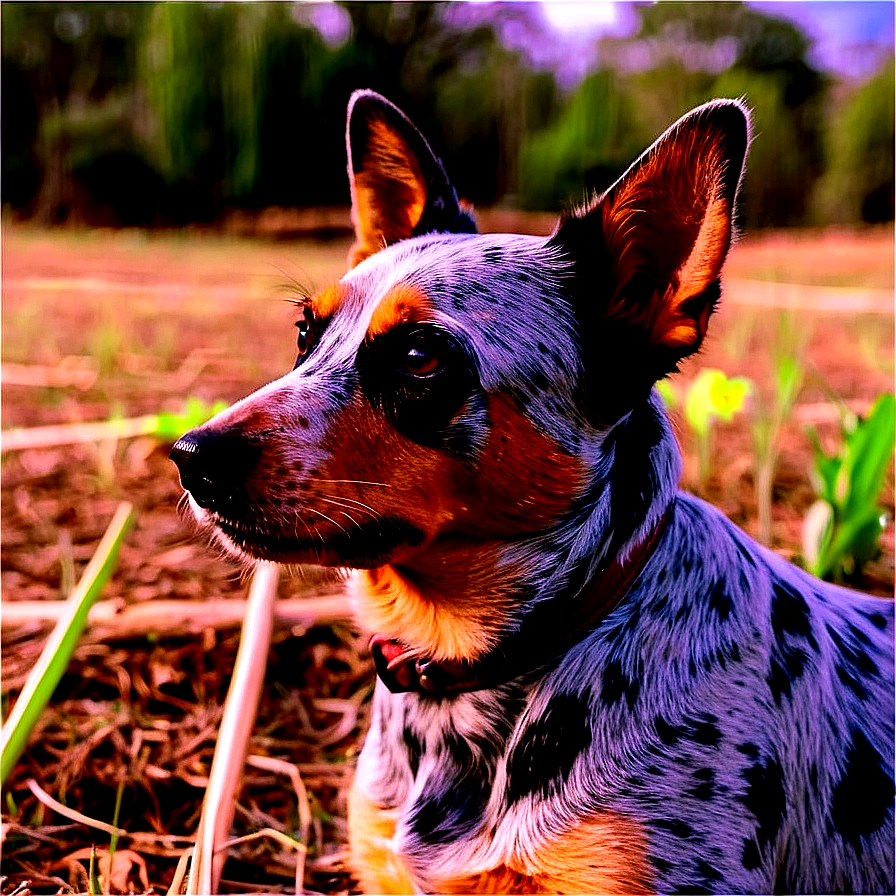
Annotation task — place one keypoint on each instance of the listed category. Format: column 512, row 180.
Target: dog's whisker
column 348, row 504
column 350, row 482
column 329, row 519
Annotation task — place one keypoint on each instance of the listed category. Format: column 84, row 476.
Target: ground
column 136, row 323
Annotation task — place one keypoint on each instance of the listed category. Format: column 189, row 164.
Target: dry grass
column 155, row 318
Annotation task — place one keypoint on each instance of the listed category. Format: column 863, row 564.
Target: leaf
column 54, row 658
column 869, row 454
column 817, row 528
column 170, row 426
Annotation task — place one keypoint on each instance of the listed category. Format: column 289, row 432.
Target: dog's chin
column 362, row 546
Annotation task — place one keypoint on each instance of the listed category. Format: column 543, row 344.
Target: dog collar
column 549, row 630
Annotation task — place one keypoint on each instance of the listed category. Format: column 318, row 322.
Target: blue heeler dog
column 589, row 681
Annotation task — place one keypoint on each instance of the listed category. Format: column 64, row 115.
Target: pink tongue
column 388, row 648
column 404, row 672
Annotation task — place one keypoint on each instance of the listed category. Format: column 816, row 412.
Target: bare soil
column 150, row 319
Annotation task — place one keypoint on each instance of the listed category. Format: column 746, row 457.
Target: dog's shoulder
column 744, row 681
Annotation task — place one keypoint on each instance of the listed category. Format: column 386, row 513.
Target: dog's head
column 451, row 390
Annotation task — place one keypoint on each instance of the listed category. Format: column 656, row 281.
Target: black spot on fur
column 674, row 826
column 748, row 749
column 548, row 747
column 668, row 734
column 779, row 682
column 493, row 255
column 863, row 797
column 705, row 788
column 850, row 681
column 790, row 614
column 458, row 750
column 764, row 799
column 855, row 667
column 414, row 748
column 750, row 858
column 878, row 620
column 720, row 601
column 793, row 640
column 633, row 483
column 707, row 871
column 540, row 381
column 706, row 731
column 452, row 814
column 616, row 683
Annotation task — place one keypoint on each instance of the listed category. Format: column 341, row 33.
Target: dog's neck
column 461, row 602
column 550, row 629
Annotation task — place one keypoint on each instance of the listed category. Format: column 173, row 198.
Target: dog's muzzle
column 213, row 467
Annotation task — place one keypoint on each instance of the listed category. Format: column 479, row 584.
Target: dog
column 589, row 681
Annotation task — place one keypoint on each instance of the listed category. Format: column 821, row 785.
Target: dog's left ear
column 399, row 187
column 649, row 252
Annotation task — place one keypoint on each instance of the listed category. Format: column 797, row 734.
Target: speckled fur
column 733, row 712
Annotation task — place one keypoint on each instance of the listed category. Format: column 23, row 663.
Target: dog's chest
column 464, row 796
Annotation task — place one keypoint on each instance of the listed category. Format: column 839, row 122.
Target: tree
column 858, row 184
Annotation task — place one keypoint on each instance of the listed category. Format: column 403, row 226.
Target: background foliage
column 165, row 113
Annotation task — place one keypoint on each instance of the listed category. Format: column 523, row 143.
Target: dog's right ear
column 399, row 187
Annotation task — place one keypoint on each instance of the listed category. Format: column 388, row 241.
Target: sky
column 850, row 37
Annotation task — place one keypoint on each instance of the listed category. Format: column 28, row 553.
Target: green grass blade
column 62, row 642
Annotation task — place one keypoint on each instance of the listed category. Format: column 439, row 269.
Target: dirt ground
column 104, row 324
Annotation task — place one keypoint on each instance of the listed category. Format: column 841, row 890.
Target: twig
column 74, row 815
column 77, row 433
column 72, row 371
column 282, row 767
column 236, row 726
column 180, row 872
column 111, row 620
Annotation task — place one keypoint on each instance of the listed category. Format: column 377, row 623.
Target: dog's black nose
column 213, row 466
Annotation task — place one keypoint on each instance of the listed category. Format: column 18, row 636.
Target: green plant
column 770, row 413
column 61, row 645
column 711, row 397
column 171, row 426
column 842, row 527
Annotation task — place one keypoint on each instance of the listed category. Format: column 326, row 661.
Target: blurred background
column 174, row 173
column 159, row 114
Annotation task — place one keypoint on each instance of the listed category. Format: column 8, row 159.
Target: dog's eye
column 303, row 340
column 422, row 360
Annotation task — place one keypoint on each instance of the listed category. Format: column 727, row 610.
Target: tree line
column 169, row 113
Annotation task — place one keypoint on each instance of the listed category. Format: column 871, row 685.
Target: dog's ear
column 399, row 187
column 648, row 253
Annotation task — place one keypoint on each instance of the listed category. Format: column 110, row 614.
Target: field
column 122, row 324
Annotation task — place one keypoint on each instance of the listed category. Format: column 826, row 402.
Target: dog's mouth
column 360, row 545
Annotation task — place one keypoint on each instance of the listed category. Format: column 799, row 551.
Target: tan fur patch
column 605, row 853
column 325, row 303
column 376, row 865
column 446, row 626
column 404, row 303
column 447, row 595
column 388, row 192
column 668, row 219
